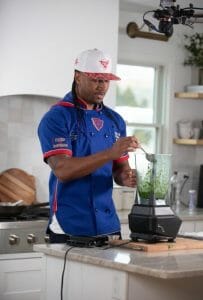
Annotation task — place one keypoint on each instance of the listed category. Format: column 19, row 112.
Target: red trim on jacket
column 58, row 151
column 54, row 206
column 63, row 103
column 82, row 103
column 122, row 158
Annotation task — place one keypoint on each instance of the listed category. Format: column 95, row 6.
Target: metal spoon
column 149, row 156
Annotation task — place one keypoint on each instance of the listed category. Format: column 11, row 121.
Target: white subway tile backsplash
column 3, row 160
column 3, row 136
column 3, row 111
column 27, row 112
column 42, row 180
column 41, row 107
column 19, row 144
column 21, row 130
column 14, row 102
column 14, row 115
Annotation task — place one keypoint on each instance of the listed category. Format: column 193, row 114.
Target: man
column 85, row 144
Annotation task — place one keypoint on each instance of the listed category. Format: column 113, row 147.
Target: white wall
column 39, row 42
column 41, row 38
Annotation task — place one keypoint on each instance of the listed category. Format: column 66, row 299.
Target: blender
column 151, row 218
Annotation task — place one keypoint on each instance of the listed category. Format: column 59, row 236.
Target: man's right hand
column 124, row 145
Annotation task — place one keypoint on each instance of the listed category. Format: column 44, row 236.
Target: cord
column 115, row 246
column 184, row 182
column 63, row 272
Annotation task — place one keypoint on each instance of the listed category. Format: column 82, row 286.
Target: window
column 139, row 102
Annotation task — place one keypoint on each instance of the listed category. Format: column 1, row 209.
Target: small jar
column 192, row 200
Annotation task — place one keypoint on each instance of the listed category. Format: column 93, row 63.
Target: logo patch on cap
column 98, row 123
column 104, row 63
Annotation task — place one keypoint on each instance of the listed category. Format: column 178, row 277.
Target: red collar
column 81, row 102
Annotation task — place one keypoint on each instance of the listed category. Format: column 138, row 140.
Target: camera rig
column 170, row 14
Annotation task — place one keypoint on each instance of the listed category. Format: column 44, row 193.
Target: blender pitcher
column 152, row 178
column 151, row 219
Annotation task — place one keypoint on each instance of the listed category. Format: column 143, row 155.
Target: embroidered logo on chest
column 97, row 123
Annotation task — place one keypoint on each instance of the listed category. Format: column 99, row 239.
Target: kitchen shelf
column 188, row 142
column 189, row 95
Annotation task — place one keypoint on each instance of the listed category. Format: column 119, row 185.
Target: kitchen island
column 121, row 274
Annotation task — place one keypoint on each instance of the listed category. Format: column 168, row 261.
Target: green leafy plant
column 195, row 48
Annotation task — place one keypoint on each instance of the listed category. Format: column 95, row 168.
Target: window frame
column 159, row 105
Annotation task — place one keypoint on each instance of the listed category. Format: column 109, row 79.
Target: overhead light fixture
column 168, row 15
column 133, row 31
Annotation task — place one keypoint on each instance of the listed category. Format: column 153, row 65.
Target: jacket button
column 107, row 210
column 96, row 210
column 106, row 135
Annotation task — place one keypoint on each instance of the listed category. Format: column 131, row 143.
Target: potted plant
column 194, row 45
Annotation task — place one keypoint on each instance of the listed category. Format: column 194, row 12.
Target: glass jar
column 153, row 178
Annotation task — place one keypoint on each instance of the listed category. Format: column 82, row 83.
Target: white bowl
column 194, row 88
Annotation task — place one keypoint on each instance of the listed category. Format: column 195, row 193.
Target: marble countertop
column 166, row 264
column 184, row 214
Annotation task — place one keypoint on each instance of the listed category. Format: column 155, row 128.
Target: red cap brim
column 104, row 76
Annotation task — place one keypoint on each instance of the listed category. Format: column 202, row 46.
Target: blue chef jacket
column 83, row 206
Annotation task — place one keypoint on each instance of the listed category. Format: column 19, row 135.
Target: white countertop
column 165, row 264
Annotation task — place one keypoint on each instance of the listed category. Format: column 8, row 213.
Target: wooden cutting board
column 16, row 184
column 179, row 244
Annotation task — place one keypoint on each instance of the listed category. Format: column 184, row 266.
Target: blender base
column 153, row 223
column 150, row 238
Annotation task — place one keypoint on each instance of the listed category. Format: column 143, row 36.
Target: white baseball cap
column 95, row 64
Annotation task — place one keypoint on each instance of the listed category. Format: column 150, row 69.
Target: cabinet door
column 84, row 281
column 22, row 279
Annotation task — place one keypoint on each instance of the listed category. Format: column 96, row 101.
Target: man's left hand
column 128, row 178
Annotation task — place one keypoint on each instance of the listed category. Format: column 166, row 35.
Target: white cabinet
column 83, row 281
column 22, row 276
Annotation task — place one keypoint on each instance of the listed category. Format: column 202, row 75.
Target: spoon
column 149, row 156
